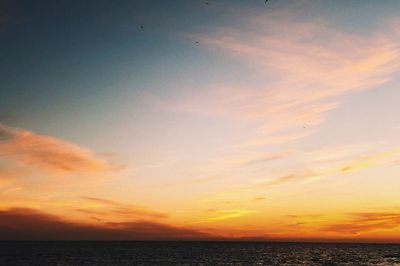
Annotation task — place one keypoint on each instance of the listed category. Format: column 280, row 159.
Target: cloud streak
column 264, row 158
column 364, row 222
column 351, row 165
column 110, row 208
column 335, row 166
column 222, row 215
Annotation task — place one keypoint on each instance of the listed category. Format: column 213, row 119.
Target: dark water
column 195, row 253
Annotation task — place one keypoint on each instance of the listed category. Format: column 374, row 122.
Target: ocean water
column 195, row 253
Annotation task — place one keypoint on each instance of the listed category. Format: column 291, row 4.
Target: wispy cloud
column 47, row 153
column 297, row 221
column 350, row 165
column 335, row 166
column 372, row 160
column 363, row 222
column 303, row 68
column 222, row 215
column 262, row 158
column 110, row 208
column 286, row 179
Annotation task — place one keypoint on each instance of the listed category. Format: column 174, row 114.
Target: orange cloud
column 6, row 176
column 360, row 223
column 47, row 153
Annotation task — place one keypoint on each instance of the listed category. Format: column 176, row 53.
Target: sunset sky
column 188, row 120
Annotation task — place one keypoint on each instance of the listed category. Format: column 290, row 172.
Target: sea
column 195, row 253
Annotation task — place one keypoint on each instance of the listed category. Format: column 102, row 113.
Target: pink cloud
column 47, row 153
column 305, row 68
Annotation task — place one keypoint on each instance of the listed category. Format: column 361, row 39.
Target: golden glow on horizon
column 258, row 160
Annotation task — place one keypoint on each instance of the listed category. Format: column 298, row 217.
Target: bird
column 141, row 26
column 266, row 1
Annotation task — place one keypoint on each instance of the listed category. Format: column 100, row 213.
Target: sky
column 196, row 120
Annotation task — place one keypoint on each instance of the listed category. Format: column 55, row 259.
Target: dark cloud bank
column 29, row 224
